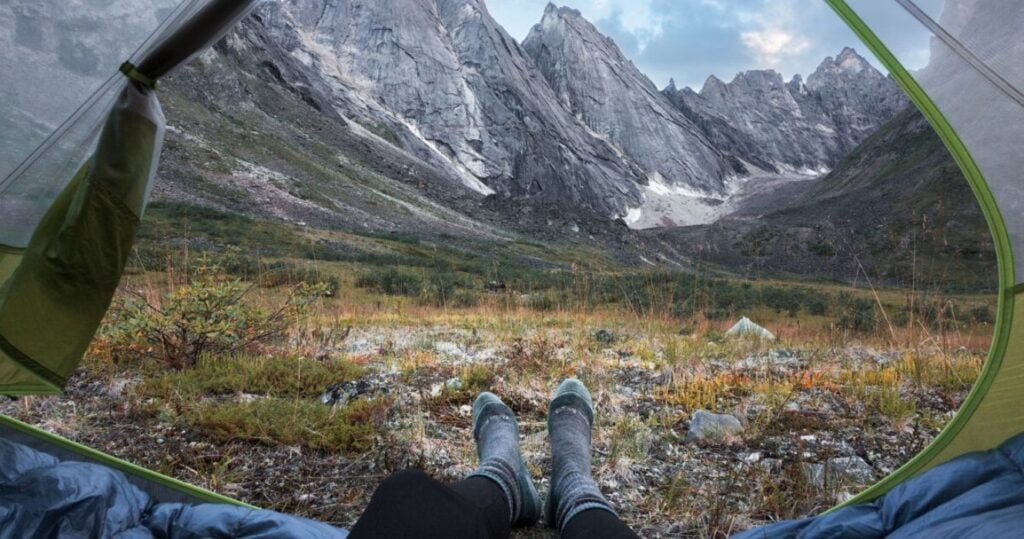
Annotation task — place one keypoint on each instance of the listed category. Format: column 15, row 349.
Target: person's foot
column 497, row 446
column 570, row 419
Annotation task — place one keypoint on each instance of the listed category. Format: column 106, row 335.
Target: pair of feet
column 570, row 420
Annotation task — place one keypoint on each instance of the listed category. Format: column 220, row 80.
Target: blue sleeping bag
column 976, row 495
column 41, row 496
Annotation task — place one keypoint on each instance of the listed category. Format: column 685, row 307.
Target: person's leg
column 412, row 504
column 497, row 445
column 490, row 500
column 496, row 496
column 575, row 505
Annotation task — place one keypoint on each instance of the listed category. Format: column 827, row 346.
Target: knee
column 403, row 482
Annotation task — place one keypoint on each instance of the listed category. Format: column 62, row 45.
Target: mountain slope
column 252, row 131
column 459, row 93
column 897, row 206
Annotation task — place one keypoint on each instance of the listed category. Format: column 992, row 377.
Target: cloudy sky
column 691, row 39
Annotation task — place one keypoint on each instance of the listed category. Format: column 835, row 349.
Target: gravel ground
column 794, row 457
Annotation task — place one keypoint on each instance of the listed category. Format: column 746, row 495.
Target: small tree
column 209, row 314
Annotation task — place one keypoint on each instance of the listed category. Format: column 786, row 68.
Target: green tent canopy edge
column 93, row 455
column 930, row 455
column 936, row 452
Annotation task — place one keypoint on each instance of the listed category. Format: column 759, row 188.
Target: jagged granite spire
column 598, row 84
column 458, row 89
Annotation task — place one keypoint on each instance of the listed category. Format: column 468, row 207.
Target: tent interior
column 79, row 161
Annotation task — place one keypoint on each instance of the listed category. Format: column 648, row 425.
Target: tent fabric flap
column 52, row 303
column 67, row 228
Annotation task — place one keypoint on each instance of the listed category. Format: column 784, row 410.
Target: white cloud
column 635, row 16
column 772, row 45
column 641, row 19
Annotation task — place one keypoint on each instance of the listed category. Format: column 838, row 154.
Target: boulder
column 341, row 394
column 708, row 426
column 842, row 469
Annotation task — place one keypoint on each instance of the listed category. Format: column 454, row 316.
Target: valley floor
column 824, row 412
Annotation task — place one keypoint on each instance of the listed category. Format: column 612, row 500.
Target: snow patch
column 465, row 174
column 824, row 129
column 852, row 64
column 633, row 215
column 810, row 173
column 664, row 205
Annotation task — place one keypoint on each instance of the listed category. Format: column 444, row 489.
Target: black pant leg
column 596, row 524
column 490, row 500
column 411, row 504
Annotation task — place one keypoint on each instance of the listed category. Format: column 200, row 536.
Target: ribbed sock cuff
column 576, row 492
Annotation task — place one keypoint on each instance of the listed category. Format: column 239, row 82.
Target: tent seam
column 29, row 363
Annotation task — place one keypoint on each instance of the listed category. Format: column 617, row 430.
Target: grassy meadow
column 223, row 345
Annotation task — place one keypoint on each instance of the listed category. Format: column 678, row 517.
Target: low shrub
column 392, row 281
column 209, row 314
column 241, row 373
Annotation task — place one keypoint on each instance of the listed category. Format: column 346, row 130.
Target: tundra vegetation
column 294, row 368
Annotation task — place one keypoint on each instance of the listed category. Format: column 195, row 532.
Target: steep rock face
column 593, row 79
column 794, row 126
column 460, row 93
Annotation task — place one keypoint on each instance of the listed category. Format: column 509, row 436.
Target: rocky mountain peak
column 713, row 85
column 605, row 91
column 846, row 66
column 552, row 10
column 759, row 79
column 565, row 24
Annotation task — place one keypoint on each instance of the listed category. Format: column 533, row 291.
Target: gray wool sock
column 497, row 445
column 573, row 490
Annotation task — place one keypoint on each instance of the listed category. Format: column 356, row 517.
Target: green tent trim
column 990, row 414
column 942, row 448
column 99, row 457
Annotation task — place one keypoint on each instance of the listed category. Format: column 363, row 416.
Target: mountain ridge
column 801, row 127
column 286, row 118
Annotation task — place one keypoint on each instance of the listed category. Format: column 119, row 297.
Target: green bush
column 983, row 314
column 857, row 314
column 817, row 305
column 209, row 314
column 439, row 288
column 392, row 281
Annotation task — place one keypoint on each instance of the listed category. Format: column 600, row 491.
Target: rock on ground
column 710, row 426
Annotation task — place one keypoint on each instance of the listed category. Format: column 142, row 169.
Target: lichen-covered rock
column 709, row 426
column 852, row 469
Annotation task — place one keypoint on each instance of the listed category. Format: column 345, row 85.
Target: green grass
column 270, row 400
column 289, row 377
column 293, row 422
